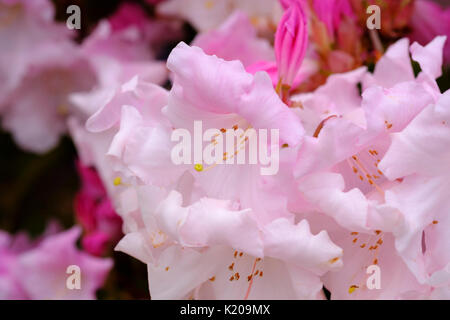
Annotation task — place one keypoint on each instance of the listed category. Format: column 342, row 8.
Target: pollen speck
column 352, row 289
column 117, row 181
column 331, row 261
column 198, row 167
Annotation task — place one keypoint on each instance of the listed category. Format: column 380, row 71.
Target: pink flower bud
column 291, row 41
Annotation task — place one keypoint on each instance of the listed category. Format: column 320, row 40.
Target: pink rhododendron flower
column 331, row 175
column 37, row 270
column 227, row 256
column 266, row 159
column 348, row 182
column 365, row 127
column 156, row 234
column 141, row 128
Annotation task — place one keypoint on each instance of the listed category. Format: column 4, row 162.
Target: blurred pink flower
column 40, row 66
column 94, row 211
column 429, row 20
column 127, row 15
column 205, row 15
column 36, row 110
column 26, row 28
column 235, row 39
column 37, row 270
column 331, row 12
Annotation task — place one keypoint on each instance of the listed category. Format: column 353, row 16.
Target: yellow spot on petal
column 352, row 289
column 117, row 181
column 198, row 167
column 333, row 260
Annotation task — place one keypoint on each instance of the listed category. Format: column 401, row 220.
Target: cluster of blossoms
column 364, row 155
